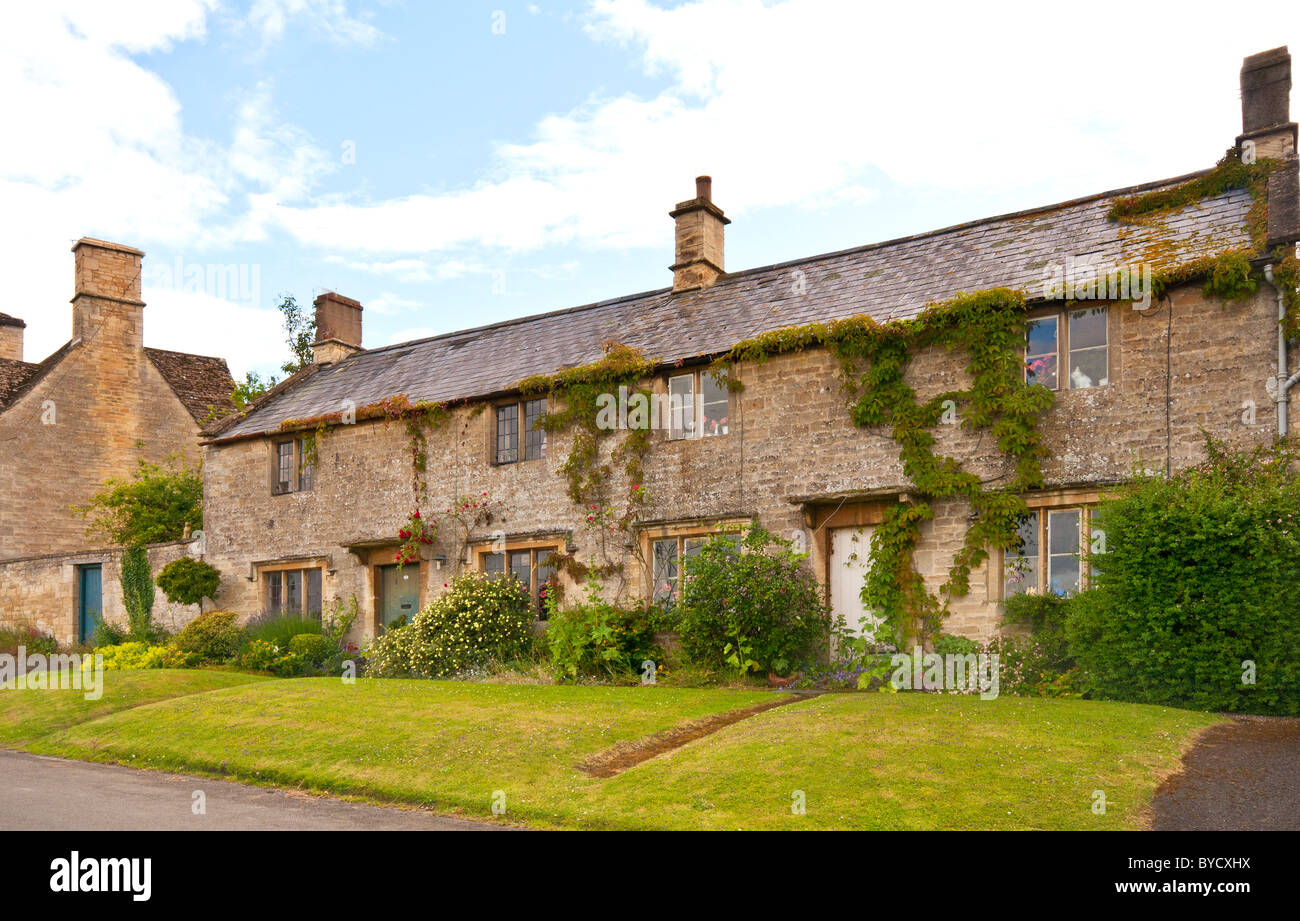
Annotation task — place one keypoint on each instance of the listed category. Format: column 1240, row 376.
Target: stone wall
column 791, row 455
column 43, row 591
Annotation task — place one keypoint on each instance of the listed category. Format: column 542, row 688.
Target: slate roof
column 6, row 320
column 891, row 280
column 201, row 383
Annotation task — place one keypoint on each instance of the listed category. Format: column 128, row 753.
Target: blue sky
column 451, row 164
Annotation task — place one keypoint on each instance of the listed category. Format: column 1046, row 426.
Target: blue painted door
column 91, row 600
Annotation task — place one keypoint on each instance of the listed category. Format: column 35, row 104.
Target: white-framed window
column 699, row 405
column 1081, row 335
column 1049, row 555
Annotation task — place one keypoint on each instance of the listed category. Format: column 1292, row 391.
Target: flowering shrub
column 417, row 533
column 265, row 656
column 476, row 620
column 137, row 655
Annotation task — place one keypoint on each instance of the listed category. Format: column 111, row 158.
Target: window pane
column 521, row 567
column 293, row 590
column 1087, row 328
column 1021, row 565
column 665, row 569
column 1063, row 552
column 274, row 592
column 681, row 406
column 534, row 437
column 1088, row 368
column 494, row 564
column 1040, row 351
column 508, row 434
column 307, row 468
column 284, row 466
column 715, row 399
column 314, row 603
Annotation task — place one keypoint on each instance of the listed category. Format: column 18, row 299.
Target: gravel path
column 1240, row 776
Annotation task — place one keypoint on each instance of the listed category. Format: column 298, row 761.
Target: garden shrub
column 475, row 621
column 595, row 638
column 1195, row 597
column 29, row 637
column 107, row 634
column 213, row 637
column 135, row 655
column 264, row 656
column 312, row 648
column 279, row 629
column 757, row 609
column 189, row 581
column 389, row 655
column 1045, row 616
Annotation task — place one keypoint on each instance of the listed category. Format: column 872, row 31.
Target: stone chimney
column 338, row 328
column 106, row 301
column 699, row 238
column 11, row 337
column 1266, row 104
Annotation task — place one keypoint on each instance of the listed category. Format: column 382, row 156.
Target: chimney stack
column 699, row 238
column 11, row 337
column 106, row 293
column 338, row 328
column 1266, row 104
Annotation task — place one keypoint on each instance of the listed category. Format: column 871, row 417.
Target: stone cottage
column 307, row 493
column 85, row 414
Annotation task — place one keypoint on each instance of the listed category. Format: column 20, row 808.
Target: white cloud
column 328, row 18
column 804, row 101
column 389, row 304
column 408, row 335
column 188, row 321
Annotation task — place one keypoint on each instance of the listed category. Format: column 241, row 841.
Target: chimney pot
column 699, row 239
column 1266, row 104
column 338, row 328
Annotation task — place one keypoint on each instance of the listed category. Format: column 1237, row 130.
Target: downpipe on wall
column 1284, row 383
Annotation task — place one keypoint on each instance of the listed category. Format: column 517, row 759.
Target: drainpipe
column 1284, row 383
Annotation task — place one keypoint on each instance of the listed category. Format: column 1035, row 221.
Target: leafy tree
column 251, row 388
column 152, row 507
column 189, row 581
column 300, row 330
column 138, row 593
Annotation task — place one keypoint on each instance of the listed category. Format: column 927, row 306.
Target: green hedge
column 1197, row 592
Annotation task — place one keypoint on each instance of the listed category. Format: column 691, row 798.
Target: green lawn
column 861, row 761
column 30, row 713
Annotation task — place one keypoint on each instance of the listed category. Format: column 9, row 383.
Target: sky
column 450, row 164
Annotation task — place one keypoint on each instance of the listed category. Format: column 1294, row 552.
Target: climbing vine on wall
column 576, row 407
column 874, row 357
column 420, row 418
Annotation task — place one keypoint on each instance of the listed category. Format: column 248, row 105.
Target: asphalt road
column 51, row 794
column 1239, row 776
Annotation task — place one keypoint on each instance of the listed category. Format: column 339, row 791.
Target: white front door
column 850, row 562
